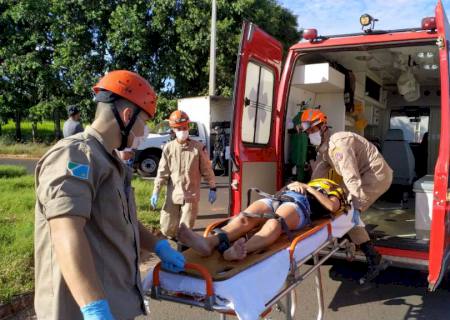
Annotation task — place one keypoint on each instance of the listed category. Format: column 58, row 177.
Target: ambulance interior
column 391, row 96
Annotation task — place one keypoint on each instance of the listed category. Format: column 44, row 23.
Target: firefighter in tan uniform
column 364, row 172
column 183, row 164
column 87, row 236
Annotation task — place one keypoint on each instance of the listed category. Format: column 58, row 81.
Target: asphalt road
column 30, row 164
column 396, row 294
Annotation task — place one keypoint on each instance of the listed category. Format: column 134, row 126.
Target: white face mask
column 182, row 135
column 315, row 138
column 137, row 140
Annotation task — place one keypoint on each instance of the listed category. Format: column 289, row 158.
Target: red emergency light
column 310, row 34
column 429, row 23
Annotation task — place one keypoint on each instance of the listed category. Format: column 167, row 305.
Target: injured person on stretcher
column 291, row 209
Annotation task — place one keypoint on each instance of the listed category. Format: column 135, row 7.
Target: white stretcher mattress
column 248, row 301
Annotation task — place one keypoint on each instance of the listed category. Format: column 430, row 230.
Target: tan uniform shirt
column 181, row 167
column 79, row 177
column 365, row 173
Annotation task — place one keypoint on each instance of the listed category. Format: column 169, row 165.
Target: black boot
column 375, row 262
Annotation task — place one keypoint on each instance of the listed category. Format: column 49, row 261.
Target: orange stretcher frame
column 208, row 302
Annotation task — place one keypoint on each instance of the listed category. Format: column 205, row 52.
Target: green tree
column 53, row 51
column 26, row 58
column 193, row 35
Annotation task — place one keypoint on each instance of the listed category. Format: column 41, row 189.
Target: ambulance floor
column 385, row 219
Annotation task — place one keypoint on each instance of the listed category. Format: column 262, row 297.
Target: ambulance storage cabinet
column 424, row 205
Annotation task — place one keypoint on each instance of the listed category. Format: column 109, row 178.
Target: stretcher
column 256, row 288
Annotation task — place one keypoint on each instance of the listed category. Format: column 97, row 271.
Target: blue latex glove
column 171, row 259
column 154, row 200
column 129, row 162
column 212, row 196
column 355, row 218
column 97, row 310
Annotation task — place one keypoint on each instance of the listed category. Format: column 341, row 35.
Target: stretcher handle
column 308, row 233
column 202, row 270
column 214, row 225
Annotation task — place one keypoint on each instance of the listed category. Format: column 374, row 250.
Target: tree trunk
column 57, row 121
column 34, row 131
column 18, row 130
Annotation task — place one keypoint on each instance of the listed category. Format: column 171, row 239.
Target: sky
column 342, row 16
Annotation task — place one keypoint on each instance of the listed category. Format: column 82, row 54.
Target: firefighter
column 183, row 164
column 364, row 172
column 87, row 236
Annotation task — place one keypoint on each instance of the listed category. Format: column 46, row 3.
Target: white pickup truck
column 148, row 153
column 205, row 113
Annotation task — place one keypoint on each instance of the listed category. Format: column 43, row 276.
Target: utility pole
column 212, row 51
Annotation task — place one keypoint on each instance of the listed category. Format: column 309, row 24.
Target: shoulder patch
column 78, row 170
column 337, row 154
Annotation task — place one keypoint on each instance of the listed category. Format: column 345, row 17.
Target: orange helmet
column 130, row 86
column 178, row 119
column 312, row 117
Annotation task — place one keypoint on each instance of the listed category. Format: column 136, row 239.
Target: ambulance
column 390, row 86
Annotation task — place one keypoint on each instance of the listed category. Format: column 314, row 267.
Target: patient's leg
column 271, row 230
column 203, row 246
column 237, row 227
column 240, row 225
column 237, row 251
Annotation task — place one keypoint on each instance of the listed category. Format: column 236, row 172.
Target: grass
column 45, row 138
column 17, row 199
column 45, row 131
column 8, row 171
column 16, row 236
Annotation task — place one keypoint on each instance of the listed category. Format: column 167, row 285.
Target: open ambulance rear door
column 440, row 226
column 255, row 161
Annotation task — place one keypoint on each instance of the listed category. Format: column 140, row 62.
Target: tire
column 148, row 165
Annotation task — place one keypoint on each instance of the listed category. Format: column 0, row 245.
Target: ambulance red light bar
column 429, row 23
column 310, row 34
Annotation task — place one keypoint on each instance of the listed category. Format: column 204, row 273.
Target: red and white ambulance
column 391, row 87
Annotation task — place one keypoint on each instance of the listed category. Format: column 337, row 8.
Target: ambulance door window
column 258, row 102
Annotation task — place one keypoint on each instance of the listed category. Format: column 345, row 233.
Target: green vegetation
column 9, row 171
column 57, row 50
column 17, row 199
column 45, row 132
column 44, row 137
column 16, row 236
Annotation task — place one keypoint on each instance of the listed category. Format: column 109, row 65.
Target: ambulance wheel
column 148, row 165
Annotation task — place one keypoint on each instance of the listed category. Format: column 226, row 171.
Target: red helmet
column 130, row 86
column 312, row 117
column 178, row 119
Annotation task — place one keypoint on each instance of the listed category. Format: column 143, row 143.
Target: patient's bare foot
column 193, row 240
column 237, row 251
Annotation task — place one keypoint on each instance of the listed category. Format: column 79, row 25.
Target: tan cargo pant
column 359, row 233
column 172, row 215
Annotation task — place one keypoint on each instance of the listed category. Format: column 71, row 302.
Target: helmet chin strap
column 110, row 97
column 124, row 130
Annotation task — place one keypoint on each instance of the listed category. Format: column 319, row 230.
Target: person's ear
column 127, row 113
